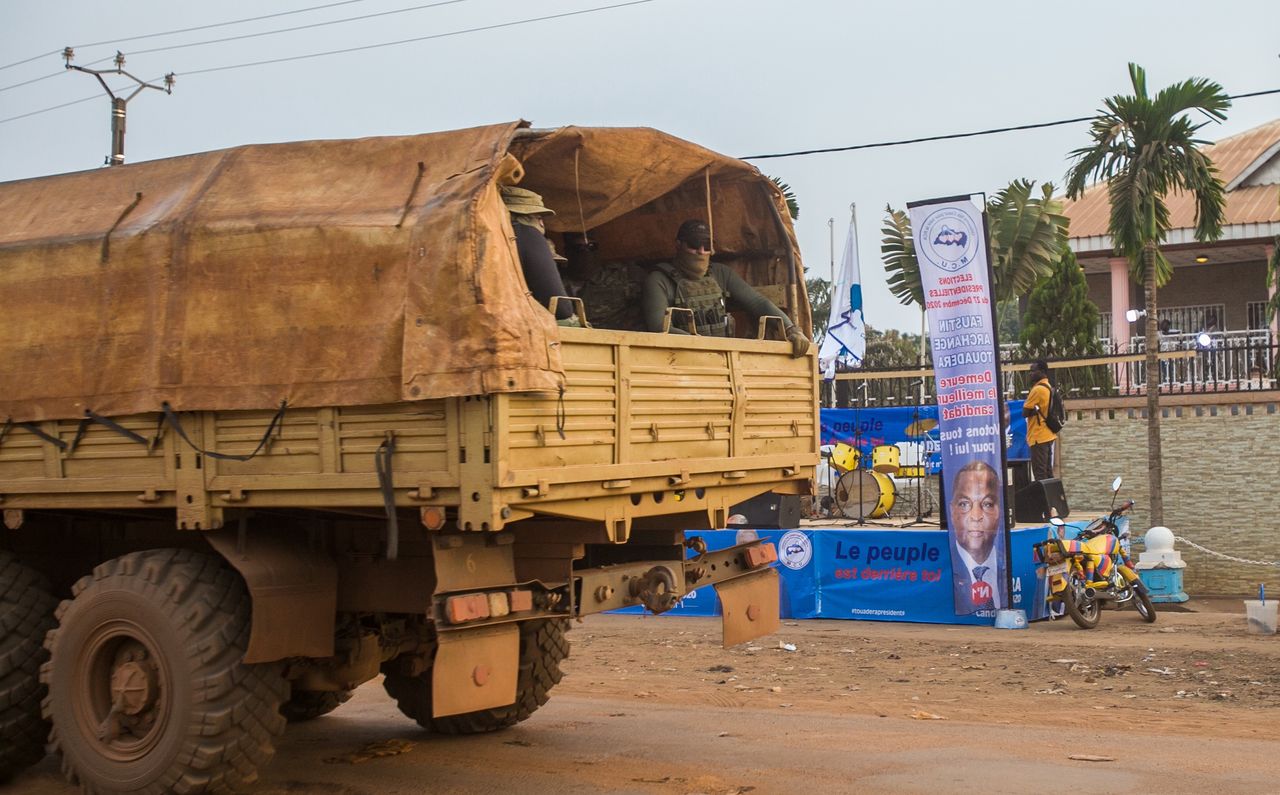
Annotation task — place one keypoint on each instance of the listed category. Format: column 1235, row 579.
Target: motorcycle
column 1094, row 568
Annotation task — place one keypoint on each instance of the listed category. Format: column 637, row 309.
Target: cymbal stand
column 920, row 458
column 857, row 443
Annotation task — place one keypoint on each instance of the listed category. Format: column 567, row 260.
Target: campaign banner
column 866, row 429
column 797, row 574
column 872, row 575
column 907, row 575
column 950, row 245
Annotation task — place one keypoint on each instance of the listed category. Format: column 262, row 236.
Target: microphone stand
column 920, row 456
column 857, row 441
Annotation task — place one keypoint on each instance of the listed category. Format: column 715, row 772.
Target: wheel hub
column 133, row 687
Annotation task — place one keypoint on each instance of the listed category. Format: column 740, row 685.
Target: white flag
column 846, row 336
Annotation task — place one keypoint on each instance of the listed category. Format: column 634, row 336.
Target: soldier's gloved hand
column 799, row 342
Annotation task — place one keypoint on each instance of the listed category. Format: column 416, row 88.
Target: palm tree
column 1144, row 147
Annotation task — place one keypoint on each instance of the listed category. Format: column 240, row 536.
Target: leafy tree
column 793, row 206
column 819, row 290
column 1028, row 236
column 1144, row 148
column 1061, row 322
column 891, row 349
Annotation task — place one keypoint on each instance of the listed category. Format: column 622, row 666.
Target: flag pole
column 831, row 247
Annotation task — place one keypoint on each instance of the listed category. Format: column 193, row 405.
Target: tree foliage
column 793, row 206
column 1062, row 323
column 819, row 290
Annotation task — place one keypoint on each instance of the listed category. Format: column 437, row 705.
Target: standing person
column 977, row 560
column 707, row 288
column 1042, row 441
column 537, row 260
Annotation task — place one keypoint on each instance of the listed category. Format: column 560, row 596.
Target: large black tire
column 1082, row 605
column 543, row 646
column 160, row 635
column 26, row 614
column 304, row 705
column 1142, row 602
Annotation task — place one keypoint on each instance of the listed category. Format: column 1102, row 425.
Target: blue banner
column 884, row 426
column 873, row 575
column 950, row 245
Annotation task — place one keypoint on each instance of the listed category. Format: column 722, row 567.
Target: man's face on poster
column 975, row 512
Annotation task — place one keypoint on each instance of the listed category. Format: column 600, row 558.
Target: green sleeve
column 744, row 296
column 658, row 294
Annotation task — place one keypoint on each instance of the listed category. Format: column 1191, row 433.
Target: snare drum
column 910, row 472
column 885, row 458
column 864, row 493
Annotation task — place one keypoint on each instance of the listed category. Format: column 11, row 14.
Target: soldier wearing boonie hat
column 537, row 255
column 692, row 281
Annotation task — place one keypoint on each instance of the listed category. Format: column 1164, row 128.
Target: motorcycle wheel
column 1142, row 603
column 1081, row 605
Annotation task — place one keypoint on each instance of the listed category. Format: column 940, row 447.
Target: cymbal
column 921, row 427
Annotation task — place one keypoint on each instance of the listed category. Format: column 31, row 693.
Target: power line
column 953, row 136
column 416, row 38
column 297, row 28
column 357, row 49
column 29, row 60
column 134, row 53
column 189, row 30
column 55, row 107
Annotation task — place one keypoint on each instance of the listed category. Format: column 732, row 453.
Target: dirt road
column 654, row 705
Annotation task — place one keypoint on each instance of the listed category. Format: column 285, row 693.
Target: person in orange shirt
column 1042, row 441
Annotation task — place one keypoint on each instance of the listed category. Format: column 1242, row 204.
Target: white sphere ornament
column 1159, row 539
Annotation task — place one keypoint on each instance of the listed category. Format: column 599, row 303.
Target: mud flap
column 475, row 669
column 750, row 606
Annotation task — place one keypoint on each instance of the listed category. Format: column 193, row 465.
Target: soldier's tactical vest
column 611, row 298
column 705, row 298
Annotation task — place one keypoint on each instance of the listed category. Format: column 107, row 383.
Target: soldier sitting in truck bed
column 610, row 291
column 534, row 250
column 707, row 288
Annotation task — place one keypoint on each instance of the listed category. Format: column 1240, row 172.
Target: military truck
column 282, row 419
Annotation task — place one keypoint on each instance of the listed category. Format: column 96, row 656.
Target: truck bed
column 644, row 419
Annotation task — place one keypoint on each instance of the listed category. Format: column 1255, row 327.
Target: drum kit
column 897, row 475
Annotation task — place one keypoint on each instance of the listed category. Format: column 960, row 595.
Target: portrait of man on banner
column 950, row 244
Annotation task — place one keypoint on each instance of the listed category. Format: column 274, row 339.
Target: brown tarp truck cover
column 329, row 272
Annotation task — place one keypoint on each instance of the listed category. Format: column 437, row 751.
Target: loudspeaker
column 1034, row 501
column 770, row 510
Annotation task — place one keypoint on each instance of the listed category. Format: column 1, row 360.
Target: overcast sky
column 742, row 77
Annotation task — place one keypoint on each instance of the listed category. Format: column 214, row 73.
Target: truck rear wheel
column 26, row 614
column 304, row 705
column 147, row 691
column 543, row 646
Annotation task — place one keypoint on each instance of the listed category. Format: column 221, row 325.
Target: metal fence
column 1189, row 363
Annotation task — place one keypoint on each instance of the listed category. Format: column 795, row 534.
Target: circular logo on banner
column 795, row 550
column 949, row 239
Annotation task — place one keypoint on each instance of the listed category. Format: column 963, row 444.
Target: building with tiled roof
column 1224, row 280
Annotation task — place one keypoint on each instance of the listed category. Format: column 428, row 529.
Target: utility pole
column 118, row 103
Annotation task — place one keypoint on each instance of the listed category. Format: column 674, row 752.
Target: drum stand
column 858, row 465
